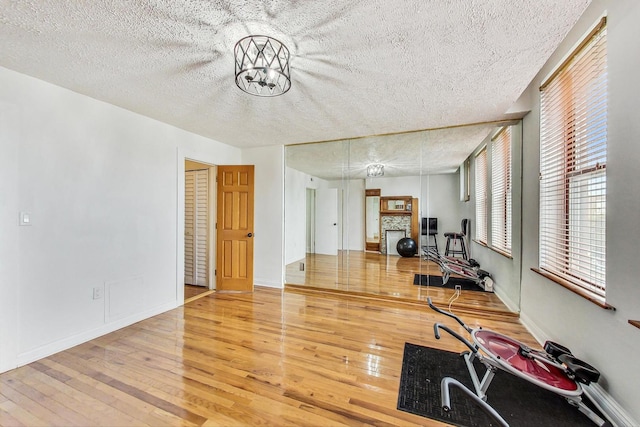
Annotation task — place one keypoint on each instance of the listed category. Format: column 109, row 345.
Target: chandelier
column 374, row 170
column 262, row 66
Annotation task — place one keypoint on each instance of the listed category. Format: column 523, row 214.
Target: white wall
column 352, row 215
column 103, row 187
column 602, row 337
column 396, row 186
column 10, row 135
column 295, row 211
column 440, row 199
column 268, row 218
column 504, row 270
column 350, row 212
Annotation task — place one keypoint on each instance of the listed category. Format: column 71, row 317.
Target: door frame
column 181, row 158
column 310, row 223
column 211, row 221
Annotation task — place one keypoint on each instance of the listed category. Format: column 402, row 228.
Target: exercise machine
column 554, row 369
column 468, row 269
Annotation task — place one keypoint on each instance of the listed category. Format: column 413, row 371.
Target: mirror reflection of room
column 351, row 204
column 372, row 219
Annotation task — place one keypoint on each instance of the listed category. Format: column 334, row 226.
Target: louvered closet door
column 201, row 228
column 189, row 228
column 196, row 234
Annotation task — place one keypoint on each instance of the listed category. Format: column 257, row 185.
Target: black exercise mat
column 518, row 401
column 429, row 280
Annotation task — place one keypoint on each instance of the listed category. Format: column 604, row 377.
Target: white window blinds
column 481, row 196
column 573, row 145
column 501, row 191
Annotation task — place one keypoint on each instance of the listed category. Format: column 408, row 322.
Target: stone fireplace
column 393, row 223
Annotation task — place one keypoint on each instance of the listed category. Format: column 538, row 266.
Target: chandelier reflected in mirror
column 262, row 66
column 374, row 170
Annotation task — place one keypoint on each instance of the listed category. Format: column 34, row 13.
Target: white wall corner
column 511, row 305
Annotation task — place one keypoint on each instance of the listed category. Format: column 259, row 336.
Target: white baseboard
column 5, row 367
column 268, row 283
column 66, row 343
column 614, row 412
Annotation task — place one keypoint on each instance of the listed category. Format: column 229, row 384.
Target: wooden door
column 234, row 249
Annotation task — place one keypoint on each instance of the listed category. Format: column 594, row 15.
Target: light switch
column 25, row 218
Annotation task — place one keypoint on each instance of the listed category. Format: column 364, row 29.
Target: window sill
column 480, row 243
column 484, row 245
column 635, row 323
column 600, row 302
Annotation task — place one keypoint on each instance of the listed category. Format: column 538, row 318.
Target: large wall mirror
column 348, row 203
column 372, row 219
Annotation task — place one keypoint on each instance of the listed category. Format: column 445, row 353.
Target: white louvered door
column 196, row 233
column 189, row 227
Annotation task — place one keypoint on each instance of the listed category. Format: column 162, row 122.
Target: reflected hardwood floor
column 383, row 277
column 191, row 292
column 269, row 358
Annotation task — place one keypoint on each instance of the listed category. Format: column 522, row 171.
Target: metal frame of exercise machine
column 554, row 369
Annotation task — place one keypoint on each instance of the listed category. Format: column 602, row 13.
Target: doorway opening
column 199, row 229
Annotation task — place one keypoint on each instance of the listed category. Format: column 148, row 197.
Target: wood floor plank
column 109, row 404
column 118, row 380
column 272, row 357
column 72, row 406
column 7, row 420
column 13, row 414
column 153, row 390
column 42, row 408
column 111, row 395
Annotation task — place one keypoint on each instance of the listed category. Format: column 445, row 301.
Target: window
column 501, row 191
column 481, row 196
column 573, row 145
column 493, row 185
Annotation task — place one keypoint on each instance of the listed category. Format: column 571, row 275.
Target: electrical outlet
column 97, row 292
column 458, row 289
column 302, row 266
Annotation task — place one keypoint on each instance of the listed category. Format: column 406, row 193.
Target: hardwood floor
column 380, row 276
column 269, row 358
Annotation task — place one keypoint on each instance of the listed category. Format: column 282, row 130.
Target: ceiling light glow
column 374, row 170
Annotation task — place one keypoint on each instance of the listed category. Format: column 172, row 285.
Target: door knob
column 250, row 235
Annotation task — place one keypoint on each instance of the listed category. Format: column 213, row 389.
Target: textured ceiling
column 358, row 67
column 407, row 154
